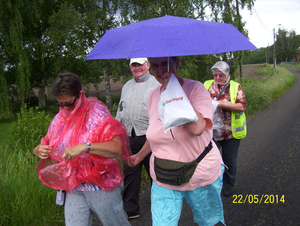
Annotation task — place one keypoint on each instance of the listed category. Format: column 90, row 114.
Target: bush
column 30, row 127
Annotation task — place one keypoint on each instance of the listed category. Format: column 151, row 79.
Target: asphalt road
column 267, row 190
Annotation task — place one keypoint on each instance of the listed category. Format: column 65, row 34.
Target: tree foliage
column 260, row 56
column 41, row 38
column 15, row 62
column 287, row 45
column 226, row 11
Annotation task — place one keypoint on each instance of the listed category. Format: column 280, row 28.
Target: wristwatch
column 88, row 144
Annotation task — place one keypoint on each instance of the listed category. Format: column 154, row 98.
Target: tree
column 258, row 56
column 39, row 39
column 287, row 45
column 26, row 52
column 4, row 103
column 74, row 29
column 15, row 54
column 230, row 13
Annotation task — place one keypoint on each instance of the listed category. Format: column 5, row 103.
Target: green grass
column 267, row 71
column 24, row 199
column 294, row 65
column 261, row 92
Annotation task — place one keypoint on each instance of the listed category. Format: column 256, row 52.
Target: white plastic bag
column 218, row 118
column 174, row 107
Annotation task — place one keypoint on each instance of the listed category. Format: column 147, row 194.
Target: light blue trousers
column 107, row 205
column 205, row 202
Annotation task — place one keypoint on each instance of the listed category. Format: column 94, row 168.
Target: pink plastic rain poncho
column 90, row 121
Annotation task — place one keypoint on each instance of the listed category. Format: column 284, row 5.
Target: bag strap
column 204, row 153
column 224, row 87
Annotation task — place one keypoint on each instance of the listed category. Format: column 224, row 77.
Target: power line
column 260, row 19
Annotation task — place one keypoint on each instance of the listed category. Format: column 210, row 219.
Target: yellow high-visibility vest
column 238, row 119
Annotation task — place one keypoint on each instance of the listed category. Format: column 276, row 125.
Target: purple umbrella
column 169, row 36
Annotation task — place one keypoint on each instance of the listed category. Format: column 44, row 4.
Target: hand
column 74, row 151
column 42, row 151
column 133, row 161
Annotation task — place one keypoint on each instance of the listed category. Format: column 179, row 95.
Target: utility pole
column 274, row 52
column 268, row 55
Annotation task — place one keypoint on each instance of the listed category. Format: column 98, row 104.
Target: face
column 159, row 68
column 139, row 70
column 67, row 102
column 219, row 77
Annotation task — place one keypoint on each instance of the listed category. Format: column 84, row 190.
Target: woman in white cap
column 231, row 102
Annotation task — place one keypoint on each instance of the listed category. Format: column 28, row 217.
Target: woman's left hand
column 74, row 151
column 133, row 161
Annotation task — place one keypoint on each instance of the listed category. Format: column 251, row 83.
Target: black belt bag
column 174, row 172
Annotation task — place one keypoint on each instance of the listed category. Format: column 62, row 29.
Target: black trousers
column 229, row 150
column 132, row 181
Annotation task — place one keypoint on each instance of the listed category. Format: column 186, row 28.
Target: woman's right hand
column 42, row 151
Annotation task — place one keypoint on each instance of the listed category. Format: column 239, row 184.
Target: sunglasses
column 67, row 104
column 220, row 75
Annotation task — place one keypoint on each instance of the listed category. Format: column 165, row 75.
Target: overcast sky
column 267, row 15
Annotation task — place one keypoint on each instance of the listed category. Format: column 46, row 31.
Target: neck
column 143, row 78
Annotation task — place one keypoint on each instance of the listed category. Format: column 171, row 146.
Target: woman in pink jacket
column 79, row 154
column 184, row 143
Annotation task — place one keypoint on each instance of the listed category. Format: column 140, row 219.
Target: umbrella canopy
column 169, row 36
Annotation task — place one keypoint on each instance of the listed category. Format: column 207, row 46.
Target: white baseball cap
column 138, row 60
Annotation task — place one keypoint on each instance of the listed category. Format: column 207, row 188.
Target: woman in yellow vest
column 229, row 119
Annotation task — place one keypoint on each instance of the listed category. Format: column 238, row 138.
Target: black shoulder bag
column 174, row 172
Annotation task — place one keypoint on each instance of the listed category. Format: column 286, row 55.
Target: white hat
column 138, row 60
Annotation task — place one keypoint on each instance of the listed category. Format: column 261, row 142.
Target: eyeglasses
column 220, row 75
column 67, row 104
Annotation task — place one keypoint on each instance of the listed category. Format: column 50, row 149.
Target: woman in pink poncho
column 79, row 154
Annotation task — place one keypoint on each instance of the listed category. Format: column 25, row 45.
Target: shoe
column 227, row 191
column 133, row 217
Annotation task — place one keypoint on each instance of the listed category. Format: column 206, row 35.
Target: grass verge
column 24, row 199
column 294, row 65
column 261, row 92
